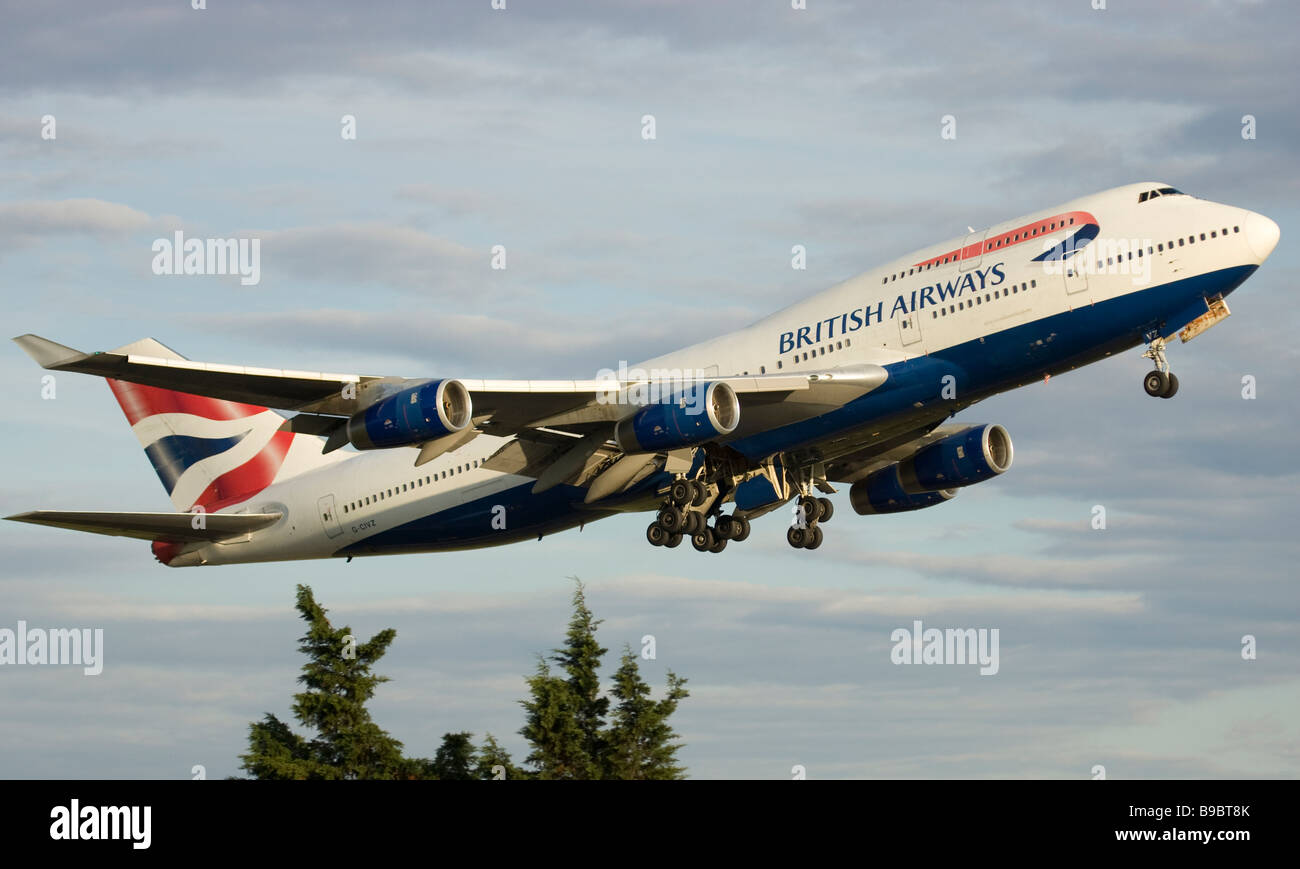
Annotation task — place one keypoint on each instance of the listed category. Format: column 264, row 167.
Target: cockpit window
column 1163, row 191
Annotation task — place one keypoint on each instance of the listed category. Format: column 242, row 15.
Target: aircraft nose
column 1262, row 235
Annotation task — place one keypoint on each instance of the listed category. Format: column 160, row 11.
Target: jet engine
column 421, row 413
column 962, row 459
column 681, row 421
column 935, row 473
column 882, row 492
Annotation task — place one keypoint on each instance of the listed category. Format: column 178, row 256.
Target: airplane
column 855, row 385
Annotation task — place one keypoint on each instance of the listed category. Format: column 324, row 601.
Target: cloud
column 376, row 254
column 23, row 223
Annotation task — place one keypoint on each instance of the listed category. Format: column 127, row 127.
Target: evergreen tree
column 455, row 758
column 641, row 743
column 551, row 728
column 491, row 756
column 580, row 657
column 339, row 682
column 565, row 723
column 566, row 714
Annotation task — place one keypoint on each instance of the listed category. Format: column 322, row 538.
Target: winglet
column 47, row 353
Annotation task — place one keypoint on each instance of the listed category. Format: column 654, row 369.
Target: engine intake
column 963, row 459
column 681, row 421
column 412, row 416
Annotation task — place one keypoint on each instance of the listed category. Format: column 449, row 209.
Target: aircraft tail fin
column 208, row 452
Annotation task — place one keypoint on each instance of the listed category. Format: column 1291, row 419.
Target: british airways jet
column 855, row 385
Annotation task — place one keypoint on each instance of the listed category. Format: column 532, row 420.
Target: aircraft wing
column 500, row 407
column 169, row 527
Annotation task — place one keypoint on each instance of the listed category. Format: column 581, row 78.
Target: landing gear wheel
column 816, row 538
column 1173, row 386
column 810, row 508
column 1156, row 383
column 681, row 492
column 701, row 492
column 656, row 534
column 695, row 523
column 726, row 527
column 742, row 529
column 671, row 519
column 827, row 509
column 718, row 545
column 703, row 540
column 796, row 536
column 673, row 541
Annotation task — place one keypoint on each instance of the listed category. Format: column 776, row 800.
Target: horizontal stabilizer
column 168, row 527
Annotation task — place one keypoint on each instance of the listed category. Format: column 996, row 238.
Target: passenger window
column 1202, row 236
column 1236, row 229
column 778, row 364
column 1180, row 242
column 1033, row 283
column 1160, row 247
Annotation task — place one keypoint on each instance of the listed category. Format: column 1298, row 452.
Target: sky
column 1120, row 647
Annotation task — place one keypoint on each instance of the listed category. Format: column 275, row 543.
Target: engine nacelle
column 415, row 415
column 882, row 492
column 968, row 457
column 682, row 421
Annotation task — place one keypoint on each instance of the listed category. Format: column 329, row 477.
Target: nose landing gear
column 1161, row 382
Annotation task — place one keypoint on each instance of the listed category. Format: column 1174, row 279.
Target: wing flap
column 169, row 527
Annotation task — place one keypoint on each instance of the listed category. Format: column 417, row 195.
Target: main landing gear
column 1161, row 382
column 806, row 532
column 686, row 514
